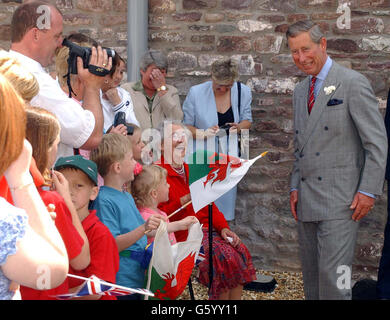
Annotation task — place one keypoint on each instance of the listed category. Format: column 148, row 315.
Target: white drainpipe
column 137, row 36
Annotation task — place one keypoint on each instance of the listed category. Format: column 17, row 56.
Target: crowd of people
column 80, row 172
column 77, row 198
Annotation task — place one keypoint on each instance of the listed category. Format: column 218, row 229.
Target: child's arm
column 81, row 261
column 126, row 240
column 174, row 226
column 182, row 224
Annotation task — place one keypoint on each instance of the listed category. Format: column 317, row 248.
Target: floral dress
column 13, row 224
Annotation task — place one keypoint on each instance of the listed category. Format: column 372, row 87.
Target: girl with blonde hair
column 149, row 189
column 23, row 81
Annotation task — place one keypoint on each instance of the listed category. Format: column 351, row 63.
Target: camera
column 225, row 127
column 83, row 52
column 120, row 118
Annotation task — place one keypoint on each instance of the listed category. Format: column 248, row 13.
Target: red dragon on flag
column 221, row 167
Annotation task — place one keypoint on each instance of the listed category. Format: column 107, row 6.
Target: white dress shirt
column 77, row 124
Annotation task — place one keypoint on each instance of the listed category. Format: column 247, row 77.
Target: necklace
column 179, row 171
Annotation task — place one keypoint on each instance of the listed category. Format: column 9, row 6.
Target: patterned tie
column 311, row 94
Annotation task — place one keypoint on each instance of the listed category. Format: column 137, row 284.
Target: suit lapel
column 320, row 103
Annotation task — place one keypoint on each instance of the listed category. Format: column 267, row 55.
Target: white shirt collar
column 27, row 61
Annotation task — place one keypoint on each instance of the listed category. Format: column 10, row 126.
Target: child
column 117, row 209
column 150, row 188
column 134, row 137
column 82, row 178
column 136, row 142
column 43, row 131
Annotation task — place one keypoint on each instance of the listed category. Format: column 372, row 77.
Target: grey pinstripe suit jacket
column 339, row 149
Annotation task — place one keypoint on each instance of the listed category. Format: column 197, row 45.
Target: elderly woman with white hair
column 154, row 100
column 221, row 108
column 231, row 261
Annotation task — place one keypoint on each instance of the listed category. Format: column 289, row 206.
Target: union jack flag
column 93, row 285
column 201, row 256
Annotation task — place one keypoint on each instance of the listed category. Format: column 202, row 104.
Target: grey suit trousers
column 326, row 251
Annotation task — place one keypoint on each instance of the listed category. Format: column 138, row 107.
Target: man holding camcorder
column 34, row 44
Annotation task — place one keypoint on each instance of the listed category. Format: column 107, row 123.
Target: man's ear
column 34, row 34
column 323, row 43
column 94, row 193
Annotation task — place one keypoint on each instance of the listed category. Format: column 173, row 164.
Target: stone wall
column 193, row 33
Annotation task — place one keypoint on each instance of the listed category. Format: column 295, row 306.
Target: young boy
column 81, row 175
column 117, row 209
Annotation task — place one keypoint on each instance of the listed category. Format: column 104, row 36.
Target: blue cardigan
column 200, row 110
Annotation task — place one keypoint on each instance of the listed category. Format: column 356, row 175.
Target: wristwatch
column 162, row 88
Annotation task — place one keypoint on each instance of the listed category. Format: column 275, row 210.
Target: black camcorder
column 85, row 54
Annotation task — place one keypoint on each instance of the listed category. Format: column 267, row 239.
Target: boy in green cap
column 81, row 175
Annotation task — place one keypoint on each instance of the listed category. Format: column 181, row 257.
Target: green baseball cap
column 87, row 166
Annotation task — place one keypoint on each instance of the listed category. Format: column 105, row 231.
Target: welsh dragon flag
column 171, row 265
column 212, row 174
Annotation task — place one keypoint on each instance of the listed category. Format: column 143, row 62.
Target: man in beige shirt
column 154, row 101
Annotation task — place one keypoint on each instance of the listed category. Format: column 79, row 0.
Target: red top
column 36, row 175
column 104, row 254
column 178, row 188
column 72, row 240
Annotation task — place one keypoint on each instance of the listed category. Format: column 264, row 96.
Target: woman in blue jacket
column 221, row 109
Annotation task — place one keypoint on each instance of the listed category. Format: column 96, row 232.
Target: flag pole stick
column 173, row 213
column 110, row 284
column 181, row 208
column 211, row 275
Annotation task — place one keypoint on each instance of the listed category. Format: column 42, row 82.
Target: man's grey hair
column 156, row 57
column 298, row 27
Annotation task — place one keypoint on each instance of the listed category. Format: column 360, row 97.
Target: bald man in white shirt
column 34, row 45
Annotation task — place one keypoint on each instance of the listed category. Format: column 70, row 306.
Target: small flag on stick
column 93, row 285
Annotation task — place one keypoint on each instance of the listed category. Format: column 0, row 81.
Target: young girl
column 43, row 132
column 135, row 138
column 150, row 188
column 115, row 99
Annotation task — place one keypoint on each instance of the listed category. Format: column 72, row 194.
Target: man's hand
column 293, row 203
column 361, row 205
column 98, row 58
column 157, row 78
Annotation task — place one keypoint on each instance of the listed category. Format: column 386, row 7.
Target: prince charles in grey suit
column 340, row 159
